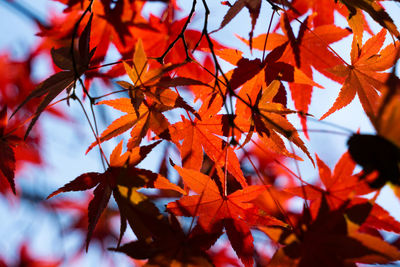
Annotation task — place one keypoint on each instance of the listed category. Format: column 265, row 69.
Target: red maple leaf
column 338, row 187
column 7, row 157
column 120, row 172
column 309, row 49
column 331, row 239
column 213, row 207
column 174, row 247
column 198, row 134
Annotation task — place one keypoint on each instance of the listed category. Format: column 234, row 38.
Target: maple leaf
column 118, row 20
column 363, row 76
column 142, row 75
column 376, row 11
column 331, row 239
column 144, row 78
column 119, row 173
column 244, row 71
column 341, row 229
column 309, row 49
column 140, row 120
column 110, row 26
column 388, row 112
column 166, row 31
column 381, row 152
column 123, row 123
column 253, row 6
column 202, row 134
column 63, row 80
column 378, row 217
column 174, row 247
column 145, row 113
column 139, row 211
column 7, row 157
column 231, row 56
column 266, row 117
column 212, row 207
column 323, row 13
column 323, row 10
column 342, row 187
column 271, row 114
column 339, row 186
column 139, row 73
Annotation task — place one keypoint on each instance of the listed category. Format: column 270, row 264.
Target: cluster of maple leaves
column 232, row 144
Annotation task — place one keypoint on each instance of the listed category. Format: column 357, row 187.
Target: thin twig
column 181, row 36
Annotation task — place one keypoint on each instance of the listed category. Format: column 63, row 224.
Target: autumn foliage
column 221, row 193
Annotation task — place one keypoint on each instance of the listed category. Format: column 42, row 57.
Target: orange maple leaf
column 149, row 117
column 364, row 76
column 145, row 113
column 266, row 117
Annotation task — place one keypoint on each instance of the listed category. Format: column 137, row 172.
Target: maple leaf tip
column 88, row 237
column 171, row 162
column 58, row 191
column 90, row 147
column 51, row 195
column 325, row 116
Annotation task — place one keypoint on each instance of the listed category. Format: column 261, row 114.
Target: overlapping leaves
column 214, row 139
